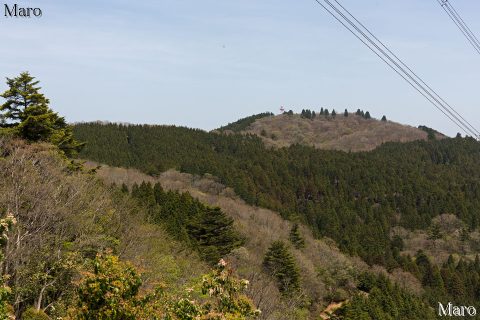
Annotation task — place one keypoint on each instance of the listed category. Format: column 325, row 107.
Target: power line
column 455, row 114
column 387, row 56
column 414, row 83
column 460, row 23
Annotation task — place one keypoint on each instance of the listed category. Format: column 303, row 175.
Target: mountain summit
column 353, row 132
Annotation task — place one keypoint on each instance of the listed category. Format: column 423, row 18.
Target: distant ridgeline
column 244, row 123
column 354, row 198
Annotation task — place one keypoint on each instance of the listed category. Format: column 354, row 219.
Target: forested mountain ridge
column 328, row 277
column 358, row 199
column 71, row 247
column 344, row 131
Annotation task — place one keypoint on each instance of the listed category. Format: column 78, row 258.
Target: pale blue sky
column 206, row 63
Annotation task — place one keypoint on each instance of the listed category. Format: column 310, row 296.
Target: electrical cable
column 399, row 67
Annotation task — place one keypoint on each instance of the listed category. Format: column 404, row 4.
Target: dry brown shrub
column 352, row 133
column 55, row 207
column 261, row 227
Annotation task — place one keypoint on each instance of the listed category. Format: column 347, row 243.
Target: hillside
column 353, row 133
column 63, row 219
column 328, row 276
column 314, row 231
column 358, row 199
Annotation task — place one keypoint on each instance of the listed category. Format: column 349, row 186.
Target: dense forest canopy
column 354, row 198
column 66, row 239
column 243, row 123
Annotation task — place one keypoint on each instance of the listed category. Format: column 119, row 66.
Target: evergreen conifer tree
column 367, row 115
column 334, row 113
column 280, row 263
column 296, row 238
column 213, row 234
column 26, row 114
column 326, row 113
column 308, row 114
column 345, row 114
column 434, row 233
column 384, row 118
column 321, row 111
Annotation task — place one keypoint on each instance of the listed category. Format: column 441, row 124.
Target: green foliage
column 432, row 134
column 213, row 234
column 457, row 282
column 345, row 114
column 33, row 314
column 352, row 198
column 228, row 293
column 109, row 290
column 280, row 264
column 6, row 225
column 384, row 301
column 27, row 115
column 365, row 115
column 308, row 114
column 384, row 119
column 208, row 230
column 434, row 232
column 296, row 238
column 334, row 113
column 244, row 123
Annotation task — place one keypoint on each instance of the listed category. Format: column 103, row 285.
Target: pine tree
column 280, row 263
column 26, row 114
column 384, row 118
column 367, row 115
column 313, row 115
column 213, row 234
column 334, row 113
column 326, row 113
column 432, row 278
column 450, row 262
column 434, row 233
column 321, row 111
column 345, row 114
column 296, row 238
